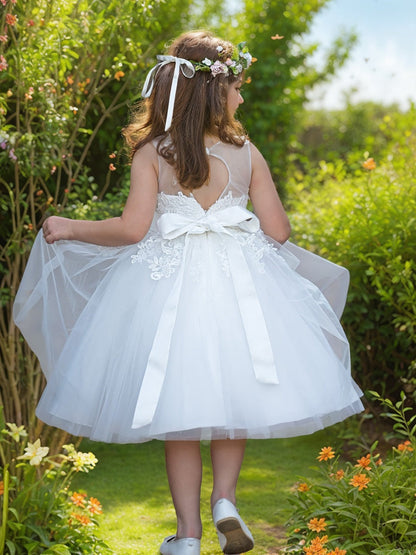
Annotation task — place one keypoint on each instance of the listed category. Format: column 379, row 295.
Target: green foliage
column 331, row 135
column 362, row 508
column 39, row 512
column 283, row 75
column 365, row 220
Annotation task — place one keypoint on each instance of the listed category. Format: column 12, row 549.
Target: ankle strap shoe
column 233, row 534
column 183, row 546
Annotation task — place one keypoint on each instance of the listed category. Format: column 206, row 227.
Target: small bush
column 363, row 216
column 40, row 514
column 362, row 508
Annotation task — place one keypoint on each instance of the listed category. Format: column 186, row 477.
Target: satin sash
column 226, row 222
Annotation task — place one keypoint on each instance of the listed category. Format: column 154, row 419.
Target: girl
column 185, row 318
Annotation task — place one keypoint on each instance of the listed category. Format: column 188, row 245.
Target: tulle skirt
column 95, row 320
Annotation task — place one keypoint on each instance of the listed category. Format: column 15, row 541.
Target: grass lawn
column 130, row 482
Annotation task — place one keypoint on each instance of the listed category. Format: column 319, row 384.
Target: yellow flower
column 360, row 481
column 326, row 453
column 317, row 524
column 35, row 453
column 303, row 487
column 364, row 462
column 369, row 164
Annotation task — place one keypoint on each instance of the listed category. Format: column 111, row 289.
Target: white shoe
column 233, row 534
column 183, row 546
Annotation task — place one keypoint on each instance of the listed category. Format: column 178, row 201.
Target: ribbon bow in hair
column 187, row 70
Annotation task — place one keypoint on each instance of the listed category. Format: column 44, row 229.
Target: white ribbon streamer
column 227, row 222
column 180, row 63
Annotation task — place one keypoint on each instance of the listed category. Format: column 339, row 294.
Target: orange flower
column 112, row 155
column 112, row 167
column 360, row 481
column 83, row 519
column 317, row 546
column 339, row 474
column 78, row 499
column 326, row 453
column 379, row 461
column 337, row 551
column 118, row 75
column 277, row 37
column 406, row 446
column 94, row 506
column 317, row 524
column 248, row 80
column 10, row 19
column 1, row 487
column 364, row 462
column 303, row 487
column 369, row 164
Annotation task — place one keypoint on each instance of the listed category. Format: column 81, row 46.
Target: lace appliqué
column 162, row 256
column 257, row 247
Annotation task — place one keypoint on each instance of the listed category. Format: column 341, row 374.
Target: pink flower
column 3, row 63
column 218, row 67
column 12, row 155
column 4, row 2
column 3, row 38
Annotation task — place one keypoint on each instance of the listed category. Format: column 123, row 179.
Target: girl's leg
column 227, row 457
column 184, row 470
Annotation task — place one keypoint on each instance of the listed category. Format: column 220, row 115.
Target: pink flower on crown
column 218, row 67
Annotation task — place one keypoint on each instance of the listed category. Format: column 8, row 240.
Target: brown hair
column 200, row 109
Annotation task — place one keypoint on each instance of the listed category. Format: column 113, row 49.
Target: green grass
column 131, row 484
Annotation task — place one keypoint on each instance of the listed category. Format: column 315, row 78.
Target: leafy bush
column 39, row 512
column 363, row 216
column 362, row 508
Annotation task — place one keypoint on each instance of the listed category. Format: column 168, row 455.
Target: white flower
column 239, row 68
column 35, row 453
column 16, row 432
column 206, row 62
column 219, row 48
column 247, row 56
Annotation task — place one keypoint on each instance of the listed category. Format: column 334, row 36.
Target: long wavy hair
column 200, row 109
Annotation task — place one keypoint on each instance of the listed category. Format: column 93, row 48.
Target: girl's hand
column 56, row 228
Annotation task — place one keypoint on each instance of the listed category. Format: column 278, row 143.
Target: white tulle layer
column 91, row 316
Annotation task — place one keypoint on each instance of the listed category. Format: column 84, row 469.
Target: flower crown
column 231, row 66
column 234, row 65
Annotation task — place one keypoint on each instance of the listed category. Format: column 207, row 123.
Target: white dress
column 206, row 329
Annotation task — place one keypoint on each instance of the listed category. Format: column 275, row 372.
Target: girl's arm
column 135, row 220
column 266, row 202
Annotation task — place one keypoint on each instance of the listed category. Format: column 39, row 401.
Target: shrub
column 362, row 508
column 39, row 512
column 363, row 217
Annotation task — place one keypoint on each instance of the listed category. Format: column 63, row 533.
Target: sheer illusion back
column 230, row 173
